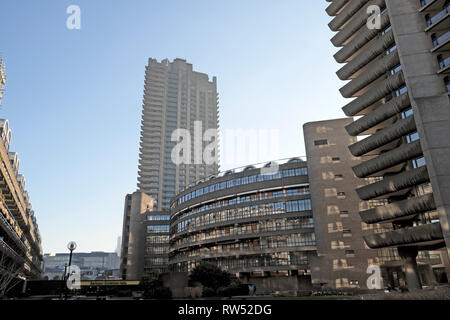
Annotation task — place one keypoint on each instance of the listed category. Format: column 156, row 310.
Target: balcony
column 438, row 21
column 400, row 210
column 427, row 236
column 441, row 43
column 388, row 162
column 398, row 184
column 381, row 140
column 444, row 65
column 380, row 118
column 10, row 252
column 431, row 5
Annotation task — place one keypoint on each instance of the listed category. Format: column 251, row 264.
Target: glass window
column 321, row 142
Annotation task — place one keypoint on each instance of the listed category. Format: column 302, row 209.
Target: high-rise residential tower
column 175, row 97
column 397, row 64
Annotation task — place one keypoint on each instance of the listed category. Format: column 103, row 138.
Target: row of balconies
column 379, row 100
column 177, row 256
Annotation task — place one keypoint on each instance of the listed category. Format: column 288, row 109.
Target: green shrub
column 209, row 275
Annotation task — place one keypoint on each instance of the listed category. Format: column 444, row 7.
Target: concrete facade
column 20, row 239
column 175, row 97
column 256, row 226
column 132, row 259
column 397, row 77
column 343, row 257
column 292, row 230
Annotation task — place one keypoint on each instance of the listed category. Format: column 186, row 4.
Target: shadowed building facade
column 343, row 258
column 20, row 239
column 398, row 78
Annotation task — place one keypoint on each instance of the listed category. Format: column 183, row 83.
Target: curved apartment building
column 396, row 65
column 247, row 221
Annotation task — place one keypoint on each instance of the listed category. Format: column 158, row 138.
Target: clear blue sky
column 74, row 97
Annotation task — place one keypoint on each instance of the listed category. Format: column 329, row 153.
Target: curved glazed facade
column 245, row 222
column 396, row 77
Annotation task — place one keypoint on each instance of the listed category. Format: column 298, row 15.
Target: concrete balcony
column 431, row 6
column 355, row 26
column 335, row 7
column 358, row 86
column 373, row 144
column 346, row 14
column 394, row 185
column 425, row 237
column 400, row 210
column 361, row 39
column 365, row 56
column 360, row 105
column 438, row 21
column 379, row 118
column 388, row 162
column 441, row 43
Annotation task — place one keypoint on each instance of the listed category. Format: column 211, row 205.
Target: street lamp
column 71, row 246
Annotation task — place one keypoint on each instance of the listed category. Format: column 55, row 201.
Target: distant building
column 93, row 266
column 119, row 246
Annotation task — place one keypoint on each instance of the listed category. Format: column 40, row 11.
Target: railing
column 7, row 249
column 13, row 233
column 441, row 39
column 438, row 16
column 423, row 3
column 444, row 62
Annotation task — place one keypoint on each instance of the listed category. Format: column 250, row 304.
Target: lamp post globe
column 71, row 245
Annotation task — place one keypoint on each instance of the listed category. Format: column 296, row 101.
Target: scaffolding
column 11, row 268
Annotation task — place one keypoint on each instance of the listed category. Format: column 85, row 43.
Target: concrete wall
column 429, row 99
column 334, row 267
column 134, row 230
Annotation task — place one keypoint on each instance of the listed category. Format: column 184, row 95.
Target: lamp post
column 71, row 246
